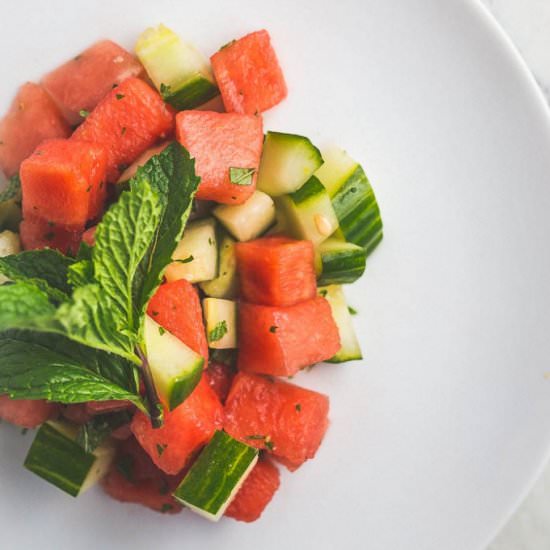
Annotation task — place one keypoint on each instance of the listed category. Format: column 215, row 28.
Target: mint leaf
column 23, row 305
column 241, row 176
column 123, row 238
column 31, row 371
column 172, row 174
column 92, row 319
column 46, row 269
column 218, row 332
column 92, row 434
column 108, row 365
column 80, row 273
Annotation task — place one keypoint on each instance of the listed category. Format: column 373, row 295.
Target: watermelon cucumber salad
column 167, row 265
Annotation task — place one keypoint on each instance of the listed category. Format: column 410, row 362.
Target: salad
column 167, row 266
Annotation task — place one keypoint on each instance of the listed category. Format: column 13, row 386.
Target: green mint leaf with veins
column 172, row 174
column 23, row 305
column 46, row 269
column 218, row 332
column 123, row 238
column 32, row 371
column 241, row 176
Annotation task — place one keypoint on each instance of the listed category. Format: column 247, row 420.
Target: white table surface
column 527, row 22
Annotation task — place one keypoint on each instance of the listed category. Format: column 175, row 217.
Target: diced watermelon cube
column 276, row 271
column 127, row 121
column 279, row 341
column 176, row 307
column 63, row 182
column 185, row 430
column 248, row 74
column 26, row 413
column 256, row 493
column 37, row 233
column 285, row 419
column 147, row 492
column 134, row 478
column 220, row 377
column 31, row 119
column 220, row 141
column 81, row 83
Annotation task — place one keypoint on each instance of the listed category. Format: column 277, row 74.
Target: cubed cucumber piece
column 308, row 212
column 9, row 244
column 196, row 256
column 175, row 367
column 216, row 476
column 340, row 262
column 56, row 457
column 221, row 322
column 353, row 200
column 248, row 220
column 225, row 285
column 350, row 350
column 179, row 71
column 288, row 161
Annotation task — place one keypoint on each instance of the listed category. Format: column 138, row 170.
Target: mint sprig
column 98, row 301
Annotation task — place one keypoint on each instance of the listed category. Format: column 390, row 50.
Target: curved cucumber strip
column 216, row 476
column 176, row 368
column 340, row 262
column 179, row 71
column 56, row 457
column 353, row 200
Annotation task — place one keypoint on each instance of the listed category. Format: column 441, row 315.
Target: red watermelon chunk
column 276, row 271
column 81, row 83
column 256, row 492
column 134, row 478
column 26, row 413
column 31, row 119
column 176, row 307
column 63, row 182
column 248, row 74
column 220, row 377
column 129, row 120
column 186, row 429
column 102, row 407
column 279, row 341
column 220, row 141
column 37, row 233
column 283, row 418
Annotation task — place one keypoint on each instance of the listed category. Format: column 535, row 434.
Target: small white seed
column 322, row 224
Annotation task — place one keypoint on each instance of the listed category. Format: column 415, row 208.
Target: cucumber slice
column 288, row 161
column 176, row 368
column 56, row 457
column 216, row 476
column 353, row 200
column 350, row 350
column 340, row 262
column 225, row 285
column 248, row 220
column 221, row 322
column 179, row 71
column 196, row 256
column 308, row 212
column 9, row 244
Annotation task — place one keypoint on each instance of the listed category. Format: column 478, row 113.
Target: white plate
column 439, row 433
